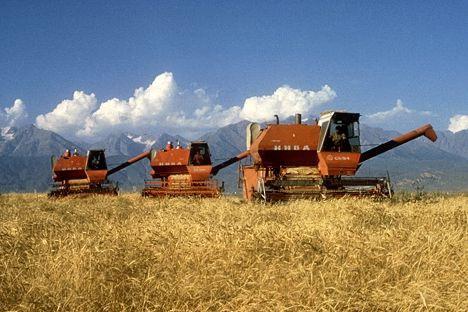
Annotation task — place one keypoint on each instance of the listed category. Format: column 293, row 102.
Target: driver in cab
column 340, row 140
column 198, row 158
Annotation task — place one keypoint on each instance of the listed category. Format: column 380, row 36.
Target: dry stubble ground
column 130, row 253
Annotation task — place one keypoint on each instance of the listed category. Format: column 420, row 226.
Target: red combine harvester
column 312, row 161
column 181, row 171
column 79, row 174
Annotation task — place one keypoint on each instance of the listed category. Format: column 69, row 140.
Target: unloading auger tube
column 129, row 162
column 229, row 162
column 425, row 130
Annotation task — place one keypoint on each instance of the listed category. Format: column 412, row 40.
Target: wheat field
column 129, row 253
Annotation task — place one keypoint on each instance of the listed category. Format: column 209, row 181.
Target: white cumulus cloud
column 13, row 115
column 398, row 109
column 458, row 123
column 399, row 117
column 285, row 102
column 163, row 106
column 69, row 115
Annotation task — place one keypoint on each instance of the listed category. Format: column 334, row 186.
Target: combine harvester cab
column 178, row 171
column 313, row 161
column 79, row 174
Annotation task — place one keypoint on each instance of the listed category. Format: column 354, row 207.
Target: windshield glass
column 96, row 160
column 342, row 136
column 200, row 154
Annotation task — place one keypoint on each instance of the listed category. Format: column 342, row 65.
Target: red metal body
column 182, row 172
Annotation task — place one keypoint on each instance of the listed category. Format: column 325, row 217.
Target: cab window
column 342, row 136
column 200, row 155
column 96, row 160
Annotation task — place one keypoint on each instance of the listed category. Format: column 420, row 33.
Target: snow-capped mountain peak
column 7, row 133
column 148, row 142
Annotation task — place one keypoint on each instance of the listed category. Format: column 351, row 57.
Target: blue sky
column 370, row 54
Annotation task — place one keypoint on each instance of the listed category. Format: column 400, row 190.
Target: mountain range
column 25, row 157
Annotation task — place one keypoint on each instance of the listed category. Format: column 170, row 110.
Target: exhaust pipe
column 277, row 119
column 298, row 119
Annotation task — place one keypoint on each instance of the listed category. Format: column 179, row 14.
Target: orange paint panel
column 70, row 168
column 336, row 163
column 174, row 157
column 96, row 176
column 250, row 181
column 169, row 162
column 199, row 173
column 73, row 168
column 286, row 145
column 251, row 177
